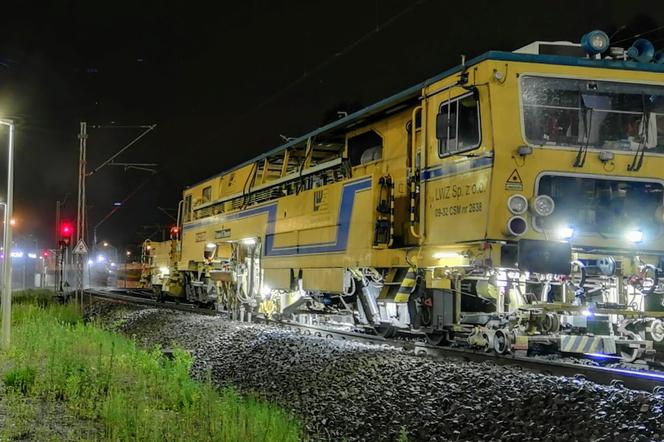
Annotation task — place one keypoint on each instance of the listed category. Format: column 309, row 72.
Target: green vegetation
column 113, row 389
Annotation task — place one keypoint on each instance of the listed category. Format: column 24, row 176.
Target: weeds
column 133, row 394
column 20, row 378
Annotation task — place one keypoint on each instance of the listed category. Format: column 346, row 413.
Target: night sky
column 223, row 82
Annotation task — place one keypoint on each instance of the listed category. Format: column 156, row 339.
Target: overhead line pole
column 80, row 214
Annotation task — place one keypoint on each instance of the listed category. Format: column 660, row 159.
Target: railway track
column 645, row 380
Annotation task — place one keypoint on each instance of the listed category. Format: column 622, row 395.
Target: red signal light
column 45, row 254
column 66, row 229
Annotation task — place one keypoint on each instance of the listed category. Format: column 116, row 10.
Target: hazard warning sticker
column 514, row 181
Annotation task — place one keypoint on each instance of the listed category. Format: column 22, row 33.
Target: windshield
column 605, row 206
column 598, row 114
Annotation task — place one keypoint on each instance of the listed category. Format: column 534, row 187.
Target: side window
column 458, row 125
column 187, row 208
column 207, row 194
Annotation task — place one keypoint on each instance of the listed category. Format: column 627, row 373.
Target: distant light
column 17, row 254
column 634, row 236
column 565, row 232
column 249, row 241
column 117, row 203
column 587, row 313
column 105, row 244
column 12, row 222
column 164, row 270
column 100, row 258
column 90, row 262
column 128, row 252
column 32, row 255
column 112, row 264
column 210, row 245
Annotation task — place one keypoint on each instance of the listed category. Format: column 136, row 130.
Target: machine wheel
column 657, row 330
column 387, row 331
column 489, row 339
column 157, row 294
column 501, row 342
column 550, row 323
column 436, row 338
column 629, row 355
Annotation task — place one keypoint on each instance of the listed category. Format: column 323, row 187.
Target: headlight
column 542, row 205
column 634, row 236
column 595, row 42
column 518, row 204
column 565, row 232
column 516, row 226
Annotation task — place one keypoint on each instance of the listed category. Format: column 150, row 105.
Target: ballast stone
column 350, row 391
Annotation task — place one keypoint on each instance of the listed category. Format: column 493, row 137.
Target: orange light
column 12, row 222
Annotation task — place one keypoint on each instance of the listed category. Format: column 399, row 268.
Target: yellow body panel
column 461, row 207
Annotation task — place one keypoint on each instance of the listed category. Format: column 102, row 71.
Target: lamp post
column 7, row 240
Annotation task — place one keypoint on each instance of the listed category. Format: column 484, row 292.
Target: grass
column 128, row 393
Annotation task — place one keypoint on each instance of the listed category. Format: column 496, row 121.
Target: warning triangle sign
column 81, row 248
column 514, row 181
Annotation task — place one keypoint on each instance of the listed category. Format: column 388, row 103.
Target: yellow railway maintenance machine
column 514, row 202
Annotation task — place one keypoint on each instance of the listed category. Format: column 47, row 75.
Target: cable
column 337, row 55
column 638, row 35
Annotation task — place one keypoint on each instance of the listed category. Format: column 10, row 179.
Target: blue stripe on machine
column 450, row 169
column 343, row 224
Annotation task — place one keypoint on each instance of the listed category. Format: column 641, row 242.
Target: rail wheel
column 657, row 330
column 488, row 337
column 629, row 354
column 501, row 342
column 550, row 323
column 387, row 331
column 436, row 338
column 157, row 293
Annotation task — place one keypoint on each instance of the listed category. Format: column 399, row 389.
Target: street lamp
column 7, row 239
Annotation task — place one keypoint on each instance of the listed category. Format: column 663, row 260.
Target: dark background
column 223, row 82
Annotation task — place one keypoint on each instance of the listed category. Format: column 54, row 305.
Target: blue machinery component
column 595, row 42
column 642, row 50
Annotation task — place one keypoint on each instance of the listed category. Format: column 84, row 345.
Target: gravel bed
column 354, row 392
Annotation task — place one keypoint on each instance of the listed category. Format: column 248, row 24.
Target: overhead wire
column 328, row 61
column 639, row 34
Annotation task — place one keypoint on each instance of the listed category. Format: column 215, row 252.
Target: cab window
column 458, row 125
column 207, row 194
column 187, row 208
